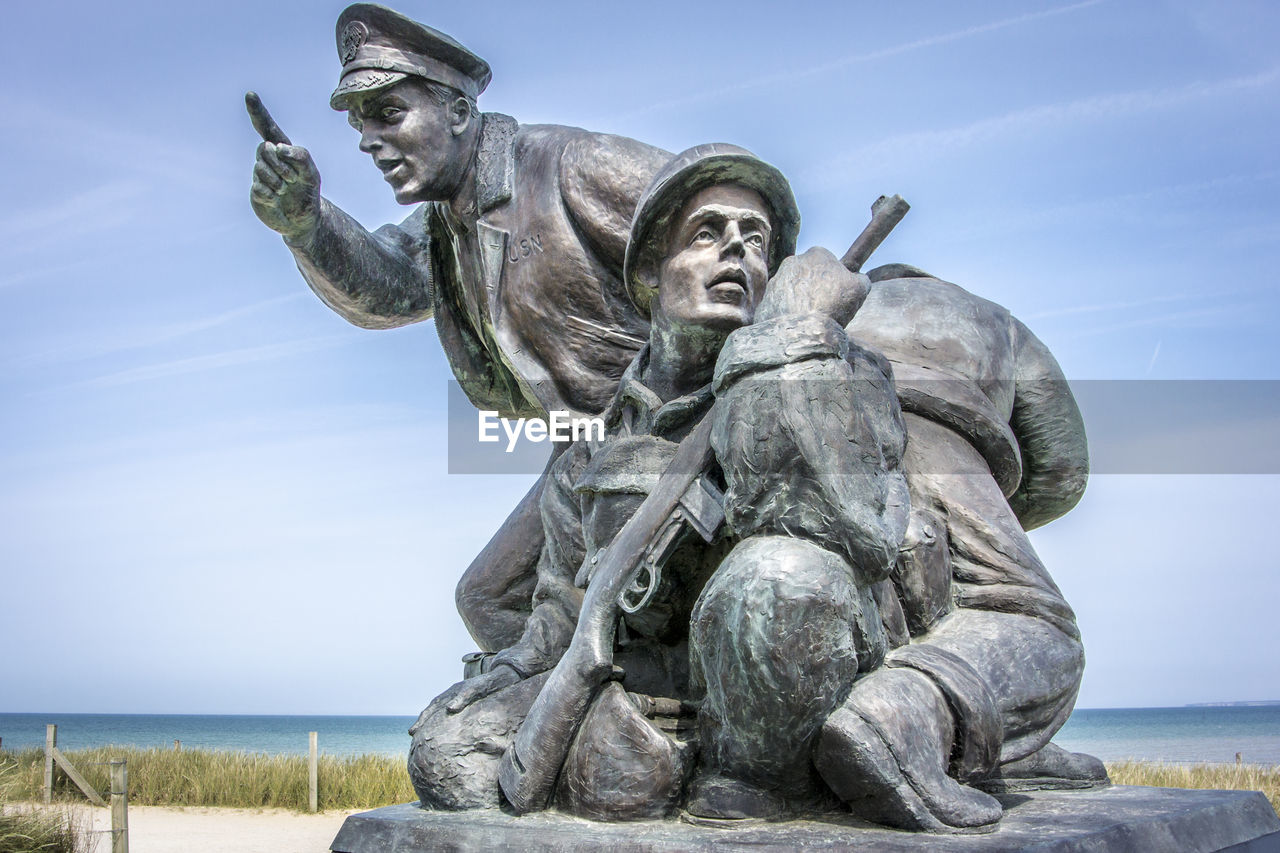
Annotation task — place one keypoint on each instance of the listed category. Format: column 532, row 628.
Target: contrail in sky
column 1154, row 356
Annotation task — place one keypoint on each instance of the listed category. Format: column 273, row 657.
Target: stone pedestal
column 1106, row 820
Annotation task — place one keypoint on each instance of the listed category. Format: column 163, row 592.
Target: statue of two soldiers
column 817, row 480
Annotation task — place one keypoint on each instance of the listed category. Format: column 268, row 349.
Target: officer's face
column 412, row 140
column 716, row 265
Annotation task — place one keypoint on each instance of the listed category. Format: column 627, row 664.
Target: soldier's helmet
column 688, row 172
column 380, row 47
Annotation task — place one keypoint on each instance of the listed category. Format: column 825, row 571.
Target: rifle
column 627, row 573
column 886, row 213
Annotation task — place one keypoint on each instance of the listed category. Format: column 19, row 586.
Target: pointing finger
column 267, row 176
column 293, row 153
column 271, row 156
column 262, row 120
column 299, row 159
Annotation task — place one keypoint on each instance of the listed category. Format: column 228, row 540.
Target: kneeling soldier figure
column 706, row 684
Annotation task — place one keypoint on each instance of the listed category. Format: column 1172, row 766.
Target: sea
column 1179, row 735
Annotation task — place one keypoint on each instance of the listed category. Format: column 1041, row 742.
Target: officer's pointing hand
column 286, row 183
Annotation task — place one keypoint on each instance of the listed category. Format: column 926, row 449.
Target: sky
column 216, row 496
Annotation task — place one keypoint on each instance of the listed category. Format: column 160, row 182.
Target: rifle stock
column 529, row 767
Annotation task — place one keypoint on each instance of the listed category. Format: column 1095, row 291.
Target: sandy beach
column 161, row 829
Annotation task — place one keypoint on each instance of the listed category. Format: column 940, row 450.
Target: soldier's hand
column 814, row 282
column 477, row 688
column 285, row 193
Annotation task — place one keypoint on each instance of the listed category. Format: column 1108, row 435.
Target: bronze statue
column 793, row 577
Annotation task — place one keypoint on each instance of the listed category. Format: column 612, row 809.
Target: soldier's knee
column 453, row 760
column 776, row 590
column 784, row 575
column 494, row 601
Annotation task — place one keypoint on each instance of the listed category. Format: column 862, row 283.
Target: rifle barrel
column 886, row 213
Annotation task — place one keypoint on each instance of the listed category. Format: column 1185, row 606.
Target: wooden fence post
column 313, row 773
column 74, row 775
column 50, row 742
column 52, row 756
column 119, row 807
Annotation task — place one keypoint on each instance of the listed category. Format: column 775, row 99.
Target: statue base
column 1100, row 820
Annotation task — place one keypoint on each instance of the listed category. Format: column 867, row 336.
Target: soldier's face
column 716, row 265
column 412, row 140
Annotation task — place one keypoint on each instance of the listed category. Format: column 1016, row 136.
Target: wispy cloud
column 1129, row 206
column 22, row 276
column 925, row 145
column 173, row 434
column 140, row 243
column 65, row 219
column 1249, row 236
column 79, row 349
column 798, row 74
column 189, row 166
column 213, row 361
column 1211, row 316
column 1113, row 306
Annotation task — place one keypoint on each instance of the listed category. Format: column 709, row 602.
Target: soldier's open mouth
column 729, row 286
column 728, row 291
column 388, row 167
column 733, row 276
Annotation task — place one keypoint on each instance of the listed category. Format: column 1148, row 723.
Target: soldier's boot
column 885, row 751
column 1049, row 768
column 717, row 798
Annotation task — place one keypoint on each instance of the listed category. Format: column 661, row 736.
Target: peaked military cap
column 380, row 47
column 685, row 174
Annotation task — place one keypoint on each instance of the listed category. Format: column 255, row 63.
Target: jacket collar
column 495, row 161
column 637, row 410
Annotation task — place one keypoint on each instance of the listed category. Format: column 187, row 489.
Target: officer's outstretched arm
column 377, row 281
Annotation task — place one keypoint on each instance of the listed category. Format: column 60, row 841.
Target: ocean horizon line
column 1214, row 733
column 1239, row 703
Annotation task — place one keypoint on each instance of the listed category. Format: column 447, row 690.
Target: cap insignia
column 352, row 39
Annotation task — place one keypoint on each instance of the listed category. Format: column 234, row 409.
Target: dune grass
column 25, row 828
column 205, row 777
column 32, row 830
column 1229, row 777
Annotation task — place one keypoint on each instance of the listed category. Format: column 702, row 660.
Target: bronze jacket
column 528, row 296
column 808, row 440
